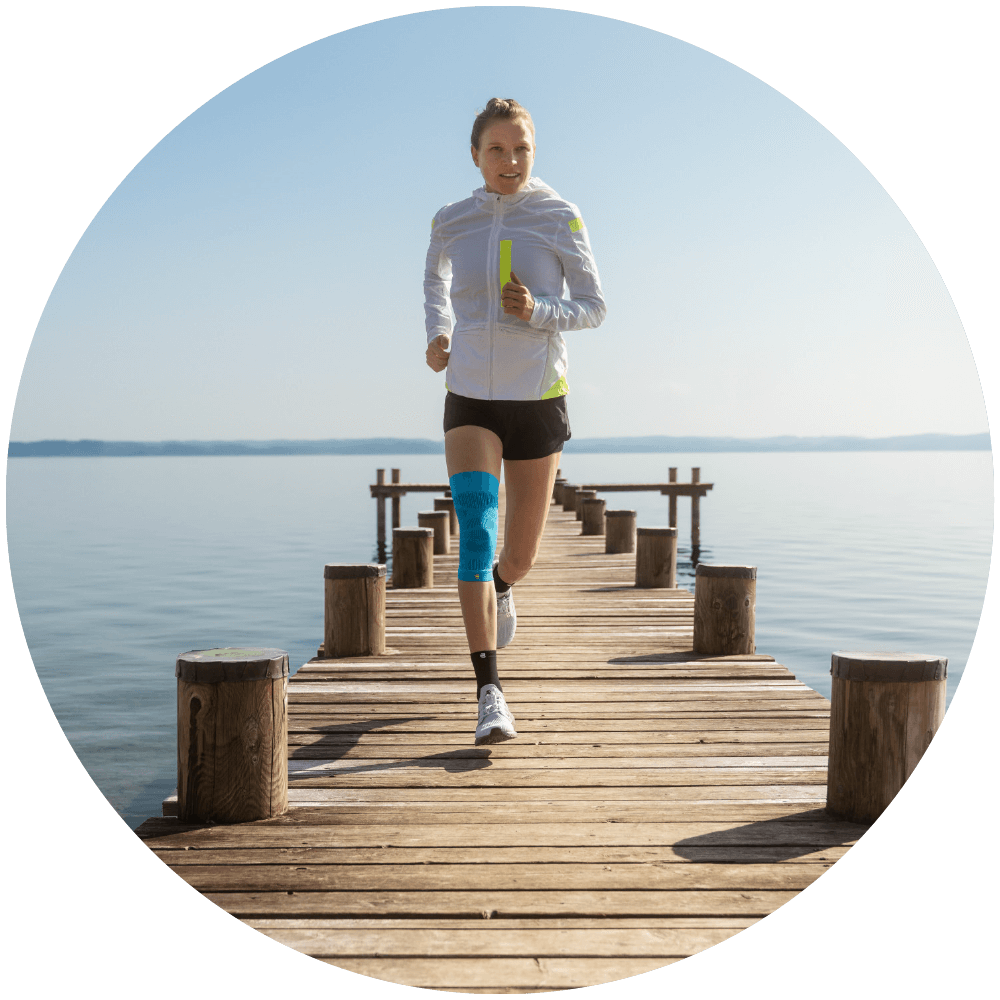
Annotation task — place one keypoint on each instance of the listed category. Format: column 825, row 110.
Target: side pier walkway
column 655, row 802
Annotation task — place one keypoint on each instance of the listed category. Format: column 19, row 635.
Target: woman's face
column 505, row 156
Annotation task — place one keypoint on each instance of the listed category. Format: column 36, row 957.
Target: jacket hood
column 534, row 184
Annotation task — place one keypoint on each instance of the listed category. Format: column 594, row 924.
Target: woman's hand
column 437, row 352
column 516, row 299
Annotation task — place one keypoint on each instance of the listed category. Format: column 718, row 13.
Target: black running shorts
column 528, row 428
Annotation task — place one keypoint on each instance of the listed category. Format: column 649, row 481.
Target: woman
column 503, row 260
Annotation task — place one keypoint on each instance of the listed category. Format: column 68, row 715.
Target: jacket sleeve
column 437, row 285
column 585, row 308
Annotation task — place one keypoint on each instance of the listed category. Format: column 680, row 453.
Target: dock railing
column 381, row 491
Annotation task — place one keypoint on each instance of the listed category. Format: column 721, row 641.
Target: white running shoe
column 506, row 619
column 496, row 723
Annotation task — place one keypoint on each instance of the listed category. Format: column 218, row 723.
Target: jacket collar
column 534, row 184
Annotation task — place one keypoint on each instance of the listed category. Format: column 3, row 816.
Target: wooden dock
column 654, row 804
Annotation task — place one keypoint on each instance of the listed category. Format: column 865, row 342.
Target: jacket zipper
column 493, row 280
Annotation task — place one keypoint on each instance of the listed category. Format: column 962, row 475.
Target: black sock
column 501, row 587
column 485, row 665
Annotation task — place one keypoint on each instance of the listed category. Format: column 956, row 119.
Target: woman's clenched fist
column 437, row 352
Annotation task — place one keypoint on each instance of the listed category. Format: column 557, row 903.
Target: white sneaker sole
column 496, row 735
column 506, row 624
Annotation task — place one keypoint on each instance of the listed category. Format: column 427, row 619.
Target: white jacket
column 474, row 245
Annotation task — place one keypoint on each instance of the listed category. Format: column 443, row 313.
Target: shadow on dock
column 338, row 741
column 781, row 839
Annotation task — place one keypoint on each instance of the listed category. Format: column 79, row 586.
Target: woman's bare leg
column 528, row 484
column 476, row 449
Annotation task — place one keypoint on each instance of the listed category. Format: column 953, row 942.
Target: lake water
column 119, row 564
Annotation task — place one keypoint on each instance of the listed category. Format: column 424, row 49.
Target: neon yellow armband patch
column 575, row 225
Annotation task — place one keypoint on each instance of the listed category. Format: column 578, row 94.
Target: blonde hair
column 500, row 109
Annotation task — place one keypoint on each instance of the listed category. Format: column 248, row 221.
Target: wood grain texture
column 879, row 730
column 656, row 557
column 655, row 802
column 412, row 558
column 725, row 611
column 232, row 750
column 354, row 616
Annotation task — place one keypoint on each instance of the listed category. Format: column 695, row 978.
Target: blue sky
column 258, row 275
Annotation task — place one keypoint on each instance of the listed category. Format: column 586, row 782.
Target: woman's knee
column 518, row 559
column 475, row 498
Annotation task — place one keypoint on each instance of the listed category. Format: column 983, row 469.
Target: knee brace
column 475, row 495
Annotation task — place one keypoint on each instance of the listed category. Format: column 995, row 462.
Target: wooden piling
column 395, row 501
column 579, row 498
column 619, row 531
column 672, row 477
column 412, row 558
column 724, row 609
column 557, row 490
column 448, row 504
column 354, row 609
column 656, row 557
column 592, row 516
column 439, row 522
column 569, row 497
column 695, row 516
column 886, row 708
column 380, row 515
column 232, row 735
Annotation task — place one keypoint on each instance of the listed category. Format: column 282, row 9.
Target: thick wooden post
column 438, row 522
column 593, row 516
column 448, row 504
column 354, row 609
column 656, row 557
column 672, row 475
column 619, row 531
column 582, row 495
column 569, row 497
column 232, row 735
column 695, row 515
column 412, row 558
column 557, row 490
column 380, row 515
column 725, row 599
column 395, row 501
column 885, row 709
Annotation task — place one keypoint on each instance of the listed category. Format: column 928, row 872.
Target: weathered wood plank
column 498, row 877
column 491, row 904
column 340, row 808
column 516, row 973
column 351, row 750
column 655, row 802
column 554, row 729
column 812, row 829
column 496, row 941
column 489, row 855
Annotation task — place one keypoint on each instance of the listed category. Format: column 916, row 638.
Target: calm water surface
column 119, row 564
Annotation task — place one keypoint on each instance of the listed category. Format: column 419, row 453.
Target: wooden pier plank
column 655, row 802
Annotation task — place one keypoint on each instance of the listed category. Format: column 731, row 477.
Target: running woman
column 514, row 264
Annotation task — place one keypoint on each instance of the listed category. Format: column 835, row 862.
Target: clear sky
column 259, row 274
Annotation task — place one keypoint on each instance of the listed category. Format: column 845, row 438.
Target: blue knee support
column 475, row 496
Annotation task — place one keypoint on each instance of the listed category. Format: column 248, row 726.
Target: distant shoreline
column 423, row 446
